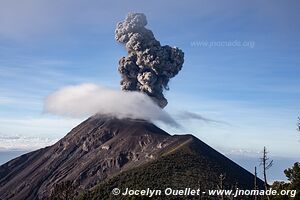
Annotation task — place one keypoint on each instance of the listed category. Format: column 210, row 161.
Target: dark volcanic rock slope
column 94, row 150
column 100, row 148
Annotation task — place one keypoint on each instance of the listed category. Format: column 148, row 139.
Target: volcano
column 105, row 152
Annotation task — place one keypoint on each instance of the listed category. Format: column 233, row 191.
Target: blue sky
column 46, row 45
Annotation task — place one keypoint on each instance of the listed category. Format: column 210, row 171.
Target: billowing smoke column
column 148, row 66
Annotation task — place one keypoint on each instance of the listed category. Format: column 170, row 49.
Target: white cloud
column 90, row 99
column 17, row 142
column 33, row 133
column 41, row 126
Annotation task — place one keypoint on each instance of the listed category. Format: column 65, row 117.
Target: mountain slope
column 102, row 148
column 193, row 164
column 94, row 150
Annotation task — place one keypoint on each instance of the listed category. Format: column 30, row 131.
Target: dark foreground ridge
column 103, row 153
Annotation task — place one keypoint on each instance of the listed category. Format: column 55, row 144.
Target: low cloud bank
column 89, row 99
column 24, row 143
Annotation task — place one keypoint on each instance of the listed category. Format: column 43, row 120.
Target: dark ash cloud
column 187, row 115
column 148, row 67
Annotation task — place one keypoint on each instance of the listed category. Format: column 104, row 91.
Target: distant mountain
column 103, row 152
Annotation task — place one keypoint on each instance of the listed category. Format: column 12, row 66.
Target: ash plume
column 148, row 67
